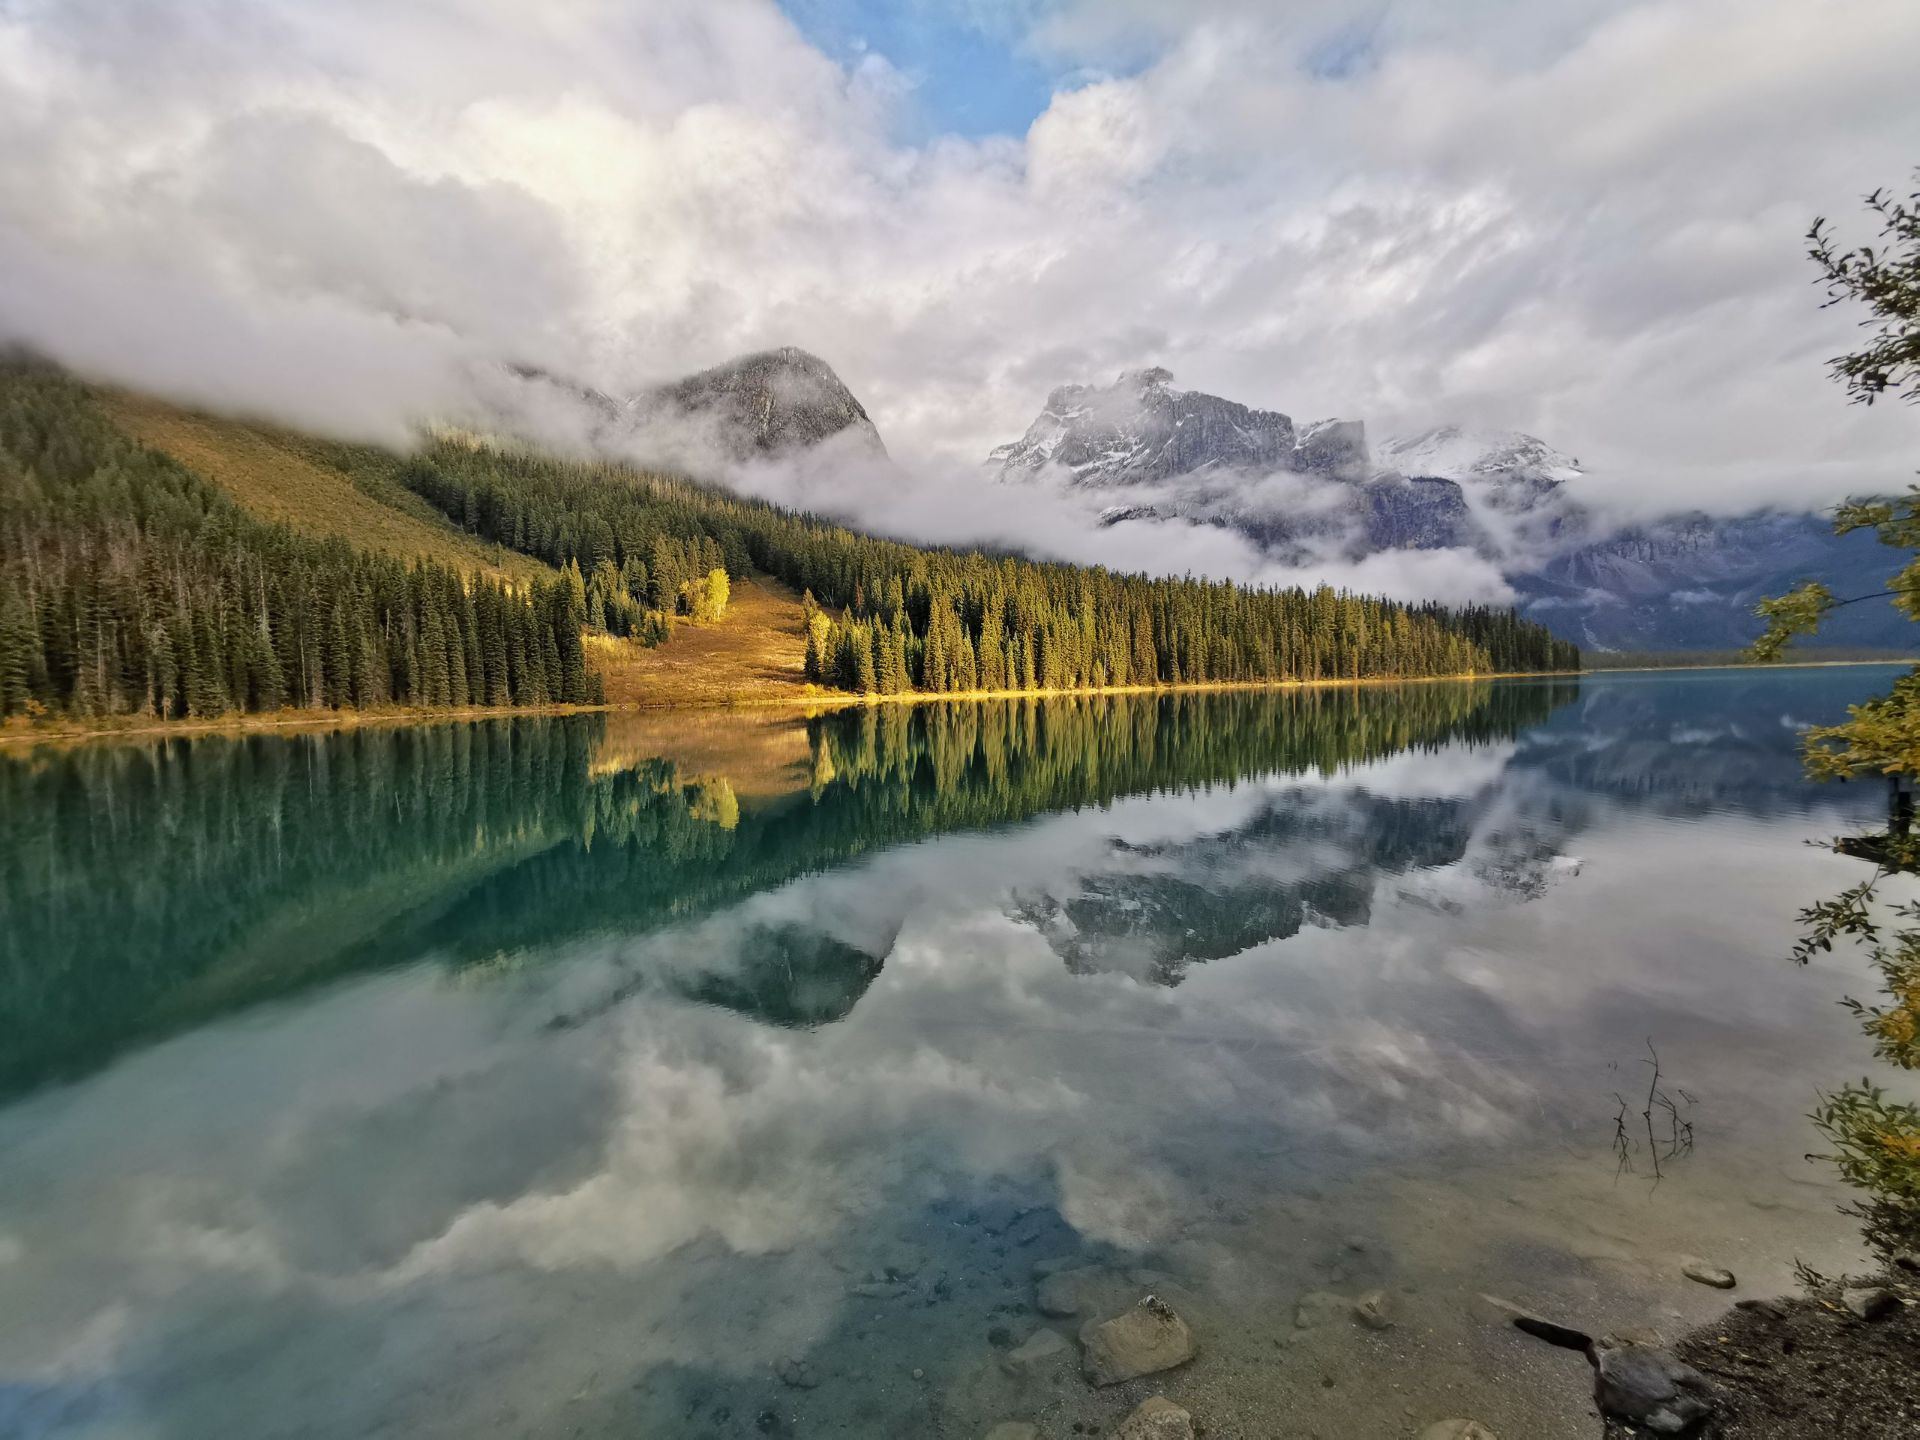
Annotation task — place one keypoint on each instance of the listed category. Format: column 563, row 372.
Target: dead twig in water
column 1679, row 1137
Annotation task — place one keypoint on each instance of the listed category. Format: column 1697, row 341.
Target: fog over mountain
column 1315, row 493
column 352, row 217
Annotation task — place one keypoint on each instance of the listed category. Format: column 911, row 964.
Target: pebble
column 1707, row 1274
column 1371, row 1310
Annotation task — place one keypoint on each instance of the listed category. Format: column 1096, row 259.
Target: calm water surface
column 596, row 1077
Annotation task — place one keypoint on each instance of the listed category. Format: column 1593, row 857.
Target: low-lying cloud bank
column 1578, row 220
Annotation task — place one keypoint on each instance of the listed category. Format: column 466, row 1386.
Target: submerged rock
column 877, row 1290
column 1065, row 1292
column 1371, row 1310
column 1143, row 1341
column 1319, row 1307
column 1457, row 1430
column 1650, row 1387
column 1156, row 1419
column 1707, row 1274
column 798, row 1373
column 1014, row 1430
column 1054, row 1264
column 1870, row 1302
column 1040, row 1350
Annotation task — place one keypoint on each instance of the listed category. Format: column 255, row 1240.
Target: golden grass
column 762, row 754
column 282, row 478
column 752, row 655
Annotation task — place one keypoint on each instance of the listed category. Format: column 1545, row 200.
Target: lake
column 735, row 1075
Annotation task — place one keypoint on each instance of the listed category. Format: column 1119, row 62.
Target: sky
column 1582, row 220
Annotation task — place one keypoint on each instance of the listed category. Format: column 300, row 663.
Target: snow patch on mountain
column 1141, row 430
column 1449, row 452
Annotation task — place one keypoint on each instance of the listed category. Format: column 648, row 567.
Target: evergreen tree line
column 886, row 617
column 635, row 577
column 128, row 585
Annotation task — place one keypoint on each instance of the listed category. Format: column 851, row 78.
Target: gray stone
column 1870, row 1302
column 1157, row 1418
column 877, row 1290
column 1014, row 1430
column 1066, row 1292
column 1908, row 1259
column 1707, row 1274
column 1054, row 1264
column 1320, row 1307
column 1457, row 1430
column 1145, row 1340
column 1371, row 1310
column 1041, row 1350
column 1772, row 1309
column 1650, row 1387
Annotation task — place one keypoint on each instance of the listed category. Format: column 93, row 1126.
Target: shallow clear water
column 585, row 1077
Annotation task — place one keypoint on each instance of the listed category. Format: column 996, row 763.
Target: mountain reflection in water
column 585, row 1075
column 161, row 885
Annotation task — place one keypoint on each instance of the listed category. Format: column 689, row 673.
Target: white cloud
column 1582, row 223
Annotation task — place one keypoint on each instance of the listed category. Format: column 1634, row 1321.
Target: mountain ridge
column 1303, row 494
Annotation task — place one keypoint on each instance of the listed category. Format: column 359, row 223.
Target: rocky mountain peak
column 1140, row 429
column 769, row 403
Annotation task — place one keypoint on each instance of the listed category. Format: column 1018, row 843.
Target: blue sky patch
column 967, row 80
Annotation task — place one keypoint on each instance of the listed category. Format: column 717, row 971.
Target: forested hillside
column 131, row 584
column 892, row 617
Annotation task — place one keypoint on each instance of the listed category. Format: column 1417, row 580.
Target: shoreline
column 17, row 736
column 14, row 735
column 1729, row 665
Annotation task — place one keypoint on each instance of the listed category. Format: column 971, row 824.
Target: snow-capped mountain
column 1686, row 581
column 1189, row 455
column 1140, row 430
column 1451, row 453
